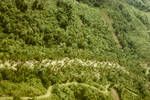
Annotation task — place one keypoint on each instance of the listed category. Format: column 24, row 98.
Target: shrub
column 21, row 5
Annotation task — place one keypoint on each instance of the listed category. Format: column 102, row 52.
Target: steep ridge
column 92, row 43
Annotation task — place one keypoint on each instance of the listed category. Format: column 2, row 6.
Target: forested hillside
column 75, row 49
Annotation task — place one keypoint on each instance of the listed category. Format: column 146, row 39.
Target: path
column 114, row 94
column 49, row 91
column 109, row 22
column 12, row 65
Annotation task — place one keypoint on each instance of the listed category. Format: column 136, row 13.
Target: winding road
column 49, row 91
column 105, row 90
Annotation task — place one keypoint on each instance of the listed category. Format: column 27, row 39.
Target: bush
column 21, row 5
column 95, row 3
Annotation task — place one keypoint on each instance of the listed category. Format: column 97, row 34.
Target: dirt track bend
column 12, row 65
column 49, row 91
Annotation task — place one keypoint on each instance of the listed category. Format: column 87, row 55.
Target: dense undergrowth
column 39, row 75
column 103, row 30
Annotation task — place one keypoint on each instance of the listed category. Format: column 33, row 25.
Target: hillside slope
column 96, row 36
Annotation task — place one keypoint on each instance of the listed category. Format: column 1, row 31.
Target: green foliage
column 21, row 5
column 36, row 79
column 54, row 29
column 20, row 89
column 140, row 4
column 95, row 3
column 77, row 93
column 38, row 4
column 66, row 28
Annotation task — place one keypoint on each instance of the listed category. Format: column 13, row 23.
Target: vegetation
column 36, row 35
